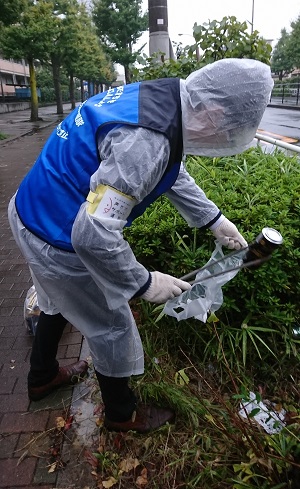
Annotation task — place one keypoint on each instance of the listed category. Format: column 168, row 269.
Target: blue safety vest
column 51, row 194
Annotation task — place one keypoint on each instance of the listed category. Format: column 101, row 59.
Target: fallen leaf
column 128, row 464
column 118, row 441
column 98, row 410
column 278, row 407
column 52, row 467
column 142, row 479
column 60, row 422
column 102, row 443
column 109, row 483
column 136, row 315
column 91, row 459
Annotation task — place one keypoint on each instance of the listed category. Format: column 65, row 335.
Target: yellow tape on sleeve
column 108, row 202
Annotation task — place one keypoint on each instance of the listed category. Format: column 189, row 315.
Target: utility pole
column 158, row 28
column 252, row 23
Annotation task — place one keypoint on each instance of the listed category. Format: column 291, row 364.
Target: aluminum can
column 266, row 242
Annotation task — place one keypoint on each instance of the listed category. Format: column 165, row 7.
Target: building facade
column 13, row 74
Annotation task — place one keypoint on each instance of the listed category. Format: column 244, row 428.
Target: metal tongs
column 248, row 264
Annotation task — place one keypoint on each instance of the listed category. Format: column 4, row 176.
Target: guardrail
column 277, row 142
column 286, row 94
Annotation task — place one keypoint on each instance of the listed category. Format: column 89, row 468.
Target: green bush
column 261, row 307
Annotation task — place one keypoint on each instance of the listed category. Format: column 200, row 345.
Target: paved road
column 285, row 122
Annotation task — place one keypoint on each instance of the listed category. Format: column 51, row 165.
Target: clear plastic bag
column 207, row 295
column 31, row 310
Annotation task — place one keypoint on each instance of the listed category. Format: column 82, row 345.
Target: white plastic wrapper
column 272, row 421
column 31, row 310
column 207, row 295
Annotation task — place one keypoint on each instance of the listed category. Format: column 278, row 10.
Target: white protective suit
column 222, row 106
column 92, row 287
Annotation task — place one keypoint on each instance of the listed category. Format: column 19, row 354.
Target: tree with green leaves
column 75, row 47
column 28, row 39
column 85, row 57
column 10, row 11
column 281, row 61
column 151, row 68
column 59, row 34
column 293, row 43
column 119, row 25
column 93, row 65
column 229, row 38
column 63, row 18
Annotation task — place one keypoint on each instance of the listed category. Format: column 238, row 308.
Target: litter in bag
column 31, row 311
column 207, row 295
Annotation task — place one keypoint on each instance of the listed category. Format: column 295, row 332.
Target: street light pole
column 159, row 40
column 252, row 17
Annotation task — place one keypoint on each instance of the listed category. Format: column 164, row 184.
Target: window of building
column 7, row 79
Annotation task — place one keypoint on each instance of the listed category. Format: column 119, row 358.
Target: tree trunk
column 127, row 75
column 90, row 90
column 82, row 90
column 34, row 116
column 57, row 85
column 72, row 92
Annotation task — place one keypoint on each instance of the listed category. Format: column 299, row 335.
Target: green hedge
column 254, row 190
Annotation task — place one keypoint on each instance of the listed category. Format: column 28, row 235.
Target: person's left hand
column 227, row 234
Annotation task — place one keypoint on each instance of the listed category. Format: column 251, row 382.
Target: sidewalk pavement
column 28, row 438
column 17, row 124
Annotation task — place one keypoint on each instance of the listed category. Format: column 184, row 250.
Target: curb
column 282, row 106
column 25, row 133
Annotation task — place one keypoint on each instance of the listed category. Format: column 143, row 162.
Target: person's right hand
column 164, row 287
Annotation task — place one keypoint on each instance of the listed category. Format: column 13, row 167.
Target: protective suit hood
column 222, row 106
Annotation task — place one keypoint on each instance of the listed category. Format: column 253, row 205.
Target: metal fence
column 45, row 95
column 286, row 94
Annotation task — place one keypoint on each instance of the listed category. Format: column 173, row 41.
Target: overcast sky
column 270, row 16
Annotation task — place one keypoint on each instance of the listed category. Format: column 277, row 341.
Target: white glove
column 164, row 287
column 227, row 234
